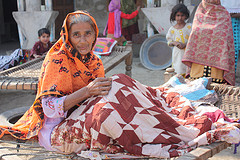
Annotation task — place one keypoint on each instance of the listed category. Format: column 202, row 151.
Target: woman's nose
column 82, row 38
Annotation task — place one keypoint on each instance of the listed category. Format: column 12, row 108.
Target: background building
column 11, row 32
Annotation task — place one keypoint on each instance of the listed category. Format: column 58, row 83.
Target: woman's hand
column 100, row 86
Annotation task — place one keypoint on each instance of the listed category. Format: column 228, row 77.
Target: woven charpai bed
column 229, row 101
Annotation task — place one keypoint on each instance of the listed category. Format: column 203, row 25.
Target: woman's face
column 82, row 36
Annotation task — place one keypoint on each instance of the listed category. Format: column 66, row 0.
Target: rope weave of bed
column 22, row 77
column 229, row 99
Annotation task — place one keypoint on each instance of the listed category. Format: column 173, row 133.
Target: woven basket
column 229, row 99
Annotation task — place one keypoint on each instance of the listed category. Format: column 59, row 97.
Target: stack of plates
column 155, row 54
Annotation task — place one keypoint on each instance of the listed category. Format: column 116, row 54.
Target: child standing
column 178, row 35
column 43, row 45
column 114, row 24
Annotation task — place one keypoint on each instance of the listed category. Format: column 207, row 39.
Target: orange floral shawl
column 63, row 72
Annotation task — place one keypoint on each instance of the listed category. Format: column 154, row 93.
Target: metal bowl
column 155, row 54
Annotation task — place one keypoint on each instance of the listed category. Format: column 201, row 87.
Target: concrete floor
column 10, row 99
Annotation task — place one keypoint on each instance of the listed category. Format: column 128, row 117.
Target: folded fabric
column 12, row 60
column 104, row 46
column 193, row 90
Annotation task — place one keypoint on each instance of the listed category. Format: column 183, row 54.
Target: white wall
column 97, row 8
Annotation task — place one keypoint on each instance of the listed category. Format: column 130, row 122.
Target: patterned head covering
column 114, row 5
column 63, row 72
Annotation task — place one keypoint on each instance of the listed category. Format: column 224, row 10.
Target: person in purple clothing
column 41, row 47
column 114, row 25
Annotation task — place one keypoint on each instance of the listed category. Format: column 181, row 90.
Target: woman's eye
column 76, row 35
column 88, row 33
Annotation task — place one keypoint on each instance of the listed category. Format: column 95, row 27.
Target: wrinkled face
column 82, row 37
column 180, row 17
column 44, row 38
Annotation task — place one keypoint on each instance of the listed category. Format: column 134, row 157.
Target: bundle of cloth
column 8, row 61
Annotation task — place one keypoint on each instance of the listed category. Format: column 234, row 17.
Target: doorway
column 8, row 27
column 63, row 7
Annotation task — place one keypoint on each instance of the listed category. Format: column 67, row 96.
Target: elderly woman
column 70, row 74
column 77, row 109
column 210, row 49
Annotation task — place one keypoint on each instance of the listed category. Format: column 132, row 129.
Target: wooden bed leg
column 128, row 62
column 170, row 72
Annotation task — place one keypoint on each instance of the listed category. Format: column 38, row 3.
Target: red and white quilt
column 141, row 120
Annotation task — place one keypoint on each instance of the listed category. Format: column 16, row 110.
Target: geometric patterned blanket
column 135, row 119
